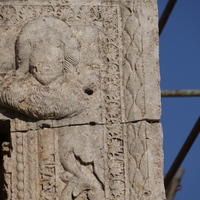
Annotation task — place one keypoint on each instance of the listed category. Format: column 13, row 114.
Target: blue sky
column 180, row 69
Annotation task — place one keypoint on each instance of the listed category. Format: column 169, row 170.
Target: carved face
column 46, row 62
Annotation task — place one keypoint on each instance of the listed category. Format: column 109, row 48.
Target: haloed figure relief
column 45, row 86
column 46, row 58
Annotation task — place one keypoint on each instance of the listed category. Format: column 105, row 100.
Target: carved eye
column 61, row 62
column 34, row 69
column 19, row 61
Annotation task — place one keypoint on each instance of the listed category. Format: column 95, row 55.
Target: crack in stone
column 92, row 123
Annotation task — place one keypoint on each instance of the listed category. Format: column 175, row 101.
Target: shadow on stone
column 4, row 139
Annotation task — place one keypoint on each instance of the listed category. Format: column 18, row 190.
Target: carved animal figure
column 83, row 163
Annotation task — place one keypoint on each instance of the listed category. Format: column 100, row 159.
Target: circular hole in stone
column 89, row 91
column 147, row 193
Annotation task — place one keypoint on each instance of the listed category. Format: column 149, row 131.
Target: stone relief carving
column 133, row 69
column 19, row 166
column 47, row 164
column 111, row 72
column 44, row 84
column 53, row 77
column 32, row 164
column 83, row 164
column 112, row 57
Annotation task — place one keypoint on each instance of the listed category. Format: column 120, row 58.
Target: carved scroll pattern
column 110, row 53
column 17, row 14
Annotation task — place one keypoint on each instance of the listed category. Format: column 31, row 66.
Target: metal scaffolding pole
column 175, row 184
column 173, row 177
column 168, row 9
column 182, row 154
column 180, row 93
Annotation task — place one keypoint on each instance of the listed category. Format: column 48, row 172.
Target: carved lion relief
column 44, row 84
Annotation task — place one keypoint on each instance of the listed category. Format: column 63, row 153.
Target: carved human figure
column 49, row 67
column 44, row 85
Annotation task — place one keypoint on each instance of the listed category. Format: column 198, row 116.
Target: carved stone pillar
column 79, row 92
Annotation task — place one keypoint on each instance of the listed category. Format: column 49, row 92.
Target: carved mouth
column 46, row 78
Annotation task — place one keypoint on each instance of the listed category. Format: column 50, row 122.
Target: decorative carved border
column 110, row 53
column 19, row 14
column 32, row 163
column 19, row 166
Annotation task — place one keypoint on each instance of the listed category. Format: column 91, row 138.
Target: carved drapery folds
column 76, row 84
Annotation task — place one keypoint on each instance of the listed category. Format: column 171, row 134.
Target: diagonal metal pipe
column 168, row 9
column 182, row 154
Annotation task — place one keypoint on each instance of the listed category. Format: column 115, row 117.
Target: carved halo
column 35, row 31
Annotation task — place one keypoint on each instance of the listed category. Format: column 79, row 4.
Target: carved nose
column 45, row 67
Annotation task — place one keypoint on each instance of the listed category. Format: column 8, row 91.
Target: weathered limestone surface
column 79, row 92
